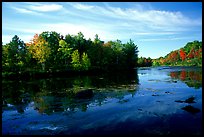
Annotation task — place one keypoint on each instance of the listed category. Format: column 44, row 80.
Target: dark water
column 147, row 101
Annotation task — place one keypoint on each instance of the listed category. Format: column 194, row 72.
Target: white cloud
column 23, row 10
column 36, row 8
column 82, row 6
column 46, row 8
column 154, row 19
column 88, row 30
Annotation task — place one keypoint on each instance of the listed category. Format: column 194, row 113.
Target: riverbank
column 25, row 75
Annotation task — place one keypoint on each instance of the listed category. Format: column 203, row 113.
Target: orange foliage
column 182, row 54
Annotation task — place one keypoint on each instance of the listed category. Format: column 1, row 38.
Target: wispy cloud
column 162, row 20
column 36, row 8
column 25, row 11
column 81, row 6
column 46, row 8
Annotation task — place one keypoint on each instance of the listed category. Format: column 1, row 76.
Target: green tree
column 65, row 49
column 130, row 52
column 86, row 64
column 14, row 54
column 76, row 60
column 52, row 38
column 117, row 47
column 5, row 58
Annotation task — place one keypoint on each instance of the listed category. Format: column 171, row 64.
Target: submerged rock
column 189, row 100
column 191, row 109
column 84, row 94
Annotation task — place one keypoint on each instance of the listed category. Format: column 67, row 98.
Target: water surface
column 147, row 101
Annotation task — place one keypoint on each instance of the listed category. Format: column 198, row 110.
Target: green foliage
column 76, row 60
column 51, row 51
column 86, row 64
column 145, row 62
column 13, row 55
column 52, row 38
column 130, row 52
column 80, row 64
column 65, row 51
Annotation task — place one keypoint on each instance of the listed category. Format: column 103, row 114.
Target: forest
column 189, row 55
column 52, row 52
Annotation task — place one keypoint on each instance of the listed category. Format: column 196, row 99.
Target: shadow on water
column 60, row 94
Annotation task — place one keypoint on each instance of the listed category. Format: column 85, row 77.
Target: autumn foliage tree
column 182, row 54
column 189, row 55
column 39, row 50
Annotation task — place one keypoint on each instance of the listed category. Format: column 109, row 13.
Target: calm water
column 161, row 100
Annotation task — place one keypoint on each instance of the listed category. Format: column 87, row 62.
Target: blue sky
column 155, row 27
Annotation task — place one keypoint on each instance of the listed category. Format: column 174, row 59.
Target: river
column 147, row 101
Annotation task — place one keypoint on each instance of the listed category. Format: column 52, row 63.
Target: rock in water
column 191, row 109
column 84, row 94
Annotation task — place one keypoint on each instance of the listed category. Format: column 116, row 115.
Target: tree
column 117, row 47
column 14, row 54
column 97, row 41
column 49, row 50
column 145, row 62
column 52, row 38
column 76, row 60
column 65, row 49
column 130, row 52
column 79, row 43
column 80, row 64
column 40, row 51
column 191, row 54
column 95, row 53
column 86, row 64
column 182, row 54
column 5, row 58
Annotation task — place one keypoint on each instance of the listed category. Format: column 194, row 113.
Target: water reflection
column 58, row 94
column 191, row 77
column 157, row 105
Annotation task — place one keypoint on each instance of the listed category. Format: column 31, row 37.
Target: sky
column 157, row 28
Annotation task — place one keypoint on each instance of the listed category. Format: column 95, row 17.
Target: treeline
column 50, row 51
column 144, row 62
column 189, row 55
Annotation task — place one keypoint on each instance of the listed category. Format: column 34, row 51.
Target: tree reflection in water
column 190, row 78
column 58, row 94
